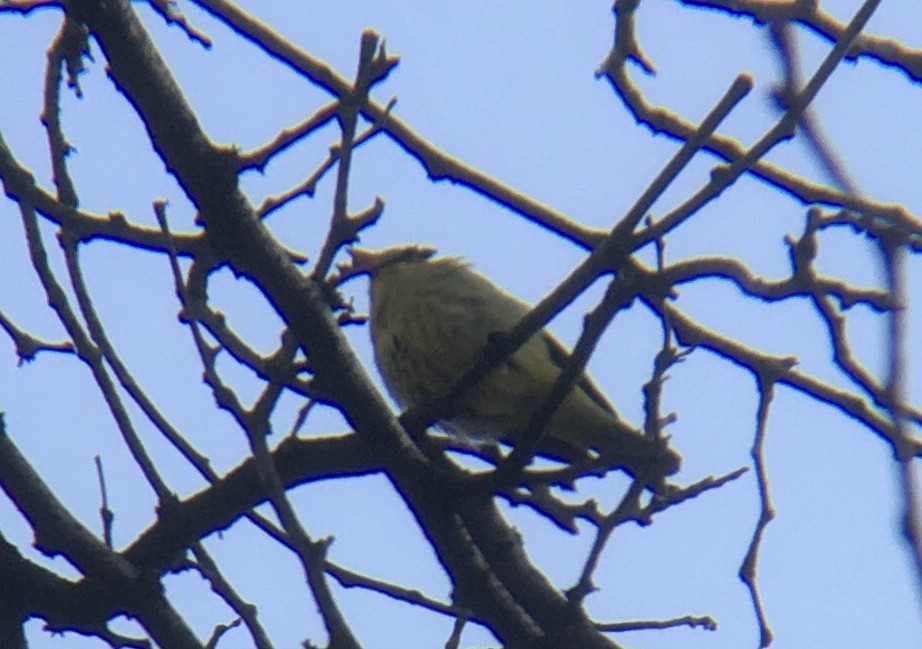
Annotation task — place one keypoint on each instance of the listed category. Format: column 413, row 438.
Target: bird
column 431, row 318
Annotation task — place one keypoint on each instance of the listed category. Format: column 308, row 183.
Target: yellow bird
column 430, row 320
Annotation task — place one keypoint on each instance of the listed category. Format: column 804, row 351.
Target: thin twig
column 104, row 512
column 27, row 346
column 374, row 66
column 748, row 572
column 226, row 591
column 258, row 158
column 898, row 358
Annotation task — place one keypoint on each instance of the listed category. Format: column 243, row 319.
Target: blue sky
column 508, row 88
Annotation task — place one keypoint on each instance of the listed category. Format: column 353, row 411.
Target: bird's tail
column 618, row 446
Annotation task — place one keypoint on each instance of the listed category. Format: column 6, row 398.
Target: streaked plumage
column 430, row 320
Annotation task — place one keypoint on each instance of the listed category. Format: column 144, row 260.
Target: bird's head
column 365, row 261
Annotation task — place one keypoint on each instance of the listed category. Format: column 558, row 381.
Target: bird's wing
column 560, row 356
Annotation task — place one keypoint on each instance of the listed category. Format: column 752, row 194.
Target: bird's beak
column 364, row 260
